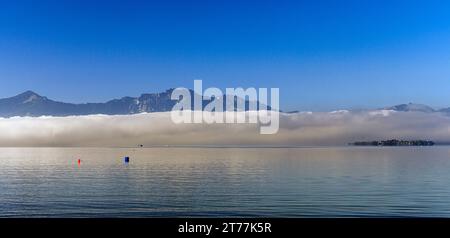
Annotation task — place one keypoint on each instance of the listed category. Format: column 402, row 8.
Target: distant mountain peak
column 29, row 97
column 411, row 107
column 28, row 93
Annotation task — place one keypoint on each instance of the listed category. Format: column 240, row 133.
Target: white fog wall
column 300, row 129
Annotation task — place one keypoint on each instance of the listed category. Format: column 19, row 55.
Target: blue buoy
column 126, row 159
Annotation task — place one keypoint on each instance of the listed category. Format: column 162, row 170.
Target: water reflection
column 274, row 182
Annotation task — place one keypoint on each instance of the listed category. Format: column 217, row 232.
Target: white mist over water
column 299, row 129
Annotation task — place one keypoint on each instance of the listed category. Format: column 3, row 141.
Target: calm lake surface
column 225, row 182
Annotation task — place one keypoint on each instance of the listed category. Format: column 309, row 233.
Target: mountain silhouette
column 32, row 104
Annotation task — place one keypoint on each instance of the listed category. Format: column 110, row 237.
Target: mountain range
column 414, row 107
column 32, row 104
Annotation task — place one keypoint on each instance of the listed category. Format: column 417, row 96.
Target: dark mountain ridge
column 32, row 104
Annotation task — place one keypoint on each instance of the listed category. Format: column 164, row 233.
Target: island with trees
column 394, row 142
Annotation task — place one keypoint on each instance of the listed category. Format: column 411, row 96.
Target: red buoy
column 79, row 161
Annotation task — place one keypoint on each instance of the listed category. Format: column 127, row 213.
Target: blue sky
column 323, row 55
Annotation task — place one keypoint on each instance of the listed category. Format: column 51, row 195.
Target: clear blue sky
column 322, row 55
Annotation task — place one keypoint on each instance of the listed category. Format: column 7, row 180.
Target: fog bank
column 152, row 129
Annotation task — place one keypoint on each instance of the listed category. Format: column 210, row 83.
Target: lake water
column 225, row 182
